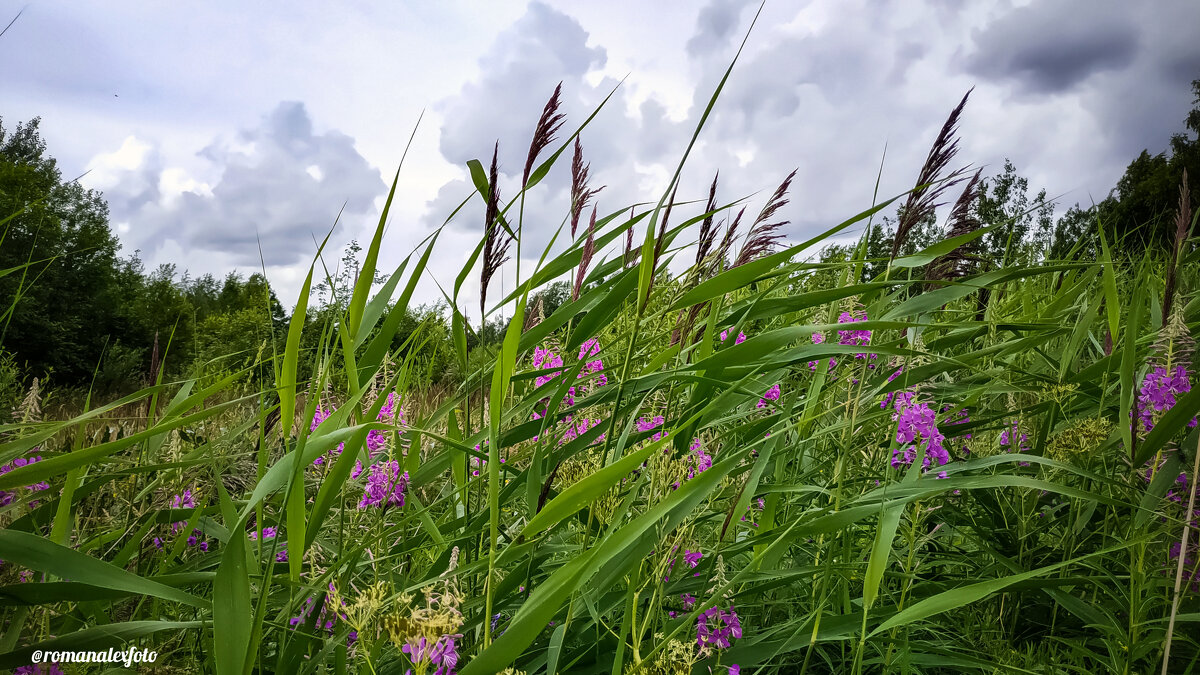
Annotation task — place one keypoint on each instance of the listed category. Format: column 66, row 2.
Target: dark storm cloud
column 280, row 185
column 1053, row 47
column 1130, row 63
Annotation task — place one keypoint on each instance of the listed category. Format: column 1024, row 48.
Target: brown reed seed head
column 629, row 254
column 764, row 235
column 580, row 193
column 955, row 263
column 589, row 250
column 1183, row 218
column 663, row 231
column 923, row 200
column 727, row 242
column 708, row 233
column 543, row 134
column 495, row 246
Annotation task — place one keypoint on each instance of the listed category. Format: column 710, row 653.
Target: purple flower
column 385, row 486
column 319, row 416
column 741, row 337
column 715, row 627
column 590, row 348
column 281, row 555
column 854, row 337
column 916, row 426
column 6, row 497
column 375, row 437
column 819, row 338
column 184, row 501
column 735, row 669
column 443, row 653
column 646, row 424
column 267, row 533
column 1159, row 393
column 772, row 394
column 692, row 558
column 700, row 462
column 887, row 400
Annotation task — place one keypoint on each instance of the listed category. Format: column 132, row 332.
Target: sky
column 229, row 136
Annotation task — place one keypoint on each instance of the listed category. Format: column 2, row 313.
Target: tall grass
column 629, row 486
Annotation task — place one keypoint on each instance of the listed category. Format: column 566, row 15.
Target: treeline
column 77, row 312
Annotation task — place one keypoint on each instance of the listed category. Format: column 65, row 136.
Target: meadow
column 724, row 453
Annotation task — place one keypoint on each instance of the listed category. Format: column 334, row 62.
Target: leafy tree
column 1004, row 198
column 1076, row 228
column 1139, row 213
column 59, row 314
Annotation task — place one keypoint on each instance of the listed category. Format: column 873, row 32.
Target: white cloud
column 822, row 85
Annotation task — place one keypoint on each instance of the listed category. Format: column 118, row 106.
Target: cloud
column 279, row 184
column 715, row 26
column 1052, row 47
column 517, row 75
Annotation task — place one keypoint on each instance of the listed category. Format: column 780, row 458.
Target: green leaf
column 965, row 595
column 42, row 555
column 232, row 612
column 586, row 491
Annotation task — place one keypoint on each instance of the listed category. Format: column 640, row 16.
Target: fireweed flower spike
column 1012, row 440
column 648, row 423
column 385, row 486
column 819, row 338
column 916, row 427
column 772, row 395
column 741, row 337
column 714, row 629
column 7, row 498
column 1158, row 394
column 887, row 400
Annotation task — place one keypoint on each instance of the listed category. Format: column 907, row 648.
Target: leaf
column 42, row 555
column 232, row 613
column 965, row 595
column 586, row 491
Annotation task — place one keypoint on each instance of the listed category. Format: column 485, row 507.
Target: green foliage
column 57, row 315
column 1140, row 213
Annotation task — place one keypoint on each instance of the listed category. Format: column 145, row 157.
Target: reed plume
column 543, row 134
column 922, row 201
column 629, row 255
column 708, row 232
column 956, row 263
column 589, row 250
column 496, row 243
column 1183, row 218
column 727, row 241
column 663, row 230
column 580, row 193
column 763, row 235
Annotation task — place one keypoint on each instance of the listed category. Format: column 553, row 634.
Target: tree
column 58, row 317
column 1140, row 211
column 1076, row 228
column 1004, row 198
